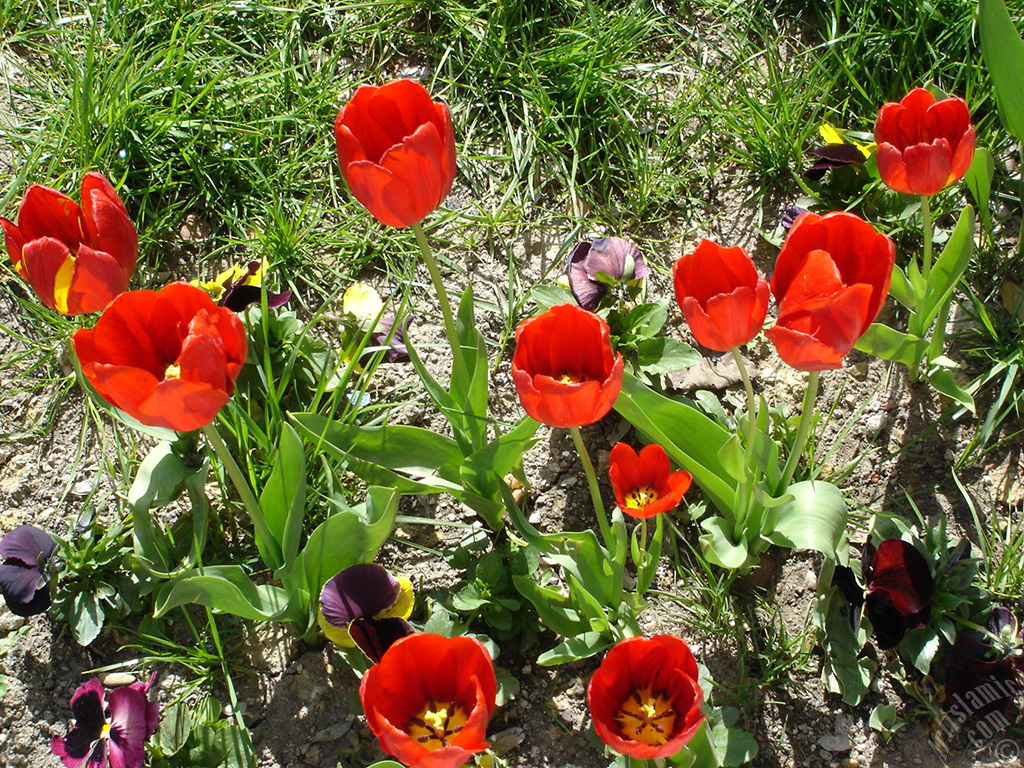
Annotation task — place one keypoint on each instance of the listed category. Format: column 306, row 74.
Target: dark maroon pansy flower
column 595, row 266
column 832, row 156
column 23, row 575
column 397, row 352
column 110, row 729
column 246, row 290
column 897, row 591
column 985, row 675
column 791, row 214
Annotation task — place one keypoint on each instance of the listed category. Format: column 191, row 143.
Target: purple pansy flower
column 246, row 290
column 366, row 606
column 595, row 266
column 110, row 729
column 23, row 574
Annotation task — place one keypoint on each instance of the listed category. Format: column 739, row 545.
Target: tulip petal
column 414, row 161
column 98, row 279
column 929, row 166
column 107, row 223
column 15, row 242
column 387, row 197
column 623, row 471
column 181, row 405
column 45, row 212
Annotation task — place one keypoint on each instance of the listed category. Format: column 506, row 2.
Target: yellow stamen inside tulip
column 436, row 724
column 647, row 717
column 568, row 378
column 639, row 498
column 173, row 372
column 62, row 285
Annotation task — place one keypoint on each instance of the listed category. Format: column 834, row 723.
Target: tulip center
column 569, row 378
column 640, row 497
column 173, row 371
column 437, row 723
column 647, row 717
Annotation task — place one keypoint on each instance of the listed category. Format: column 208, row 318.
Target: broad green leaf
column 225, row 589
column 719, row 549
column 979, row 180
column 947, row 270
column 733, row 459
column 582, row 646
column 161, row 478
column 474, row 353
column 1003, row 52
column 485, row 470
column 175, row 727
column 556, row 610
column 283, row 500
column 889, row 344
column 453, row 411
column 814, row 519
column 664, row 355
column 688, row 436
column 901, row 289
column 733, row 746
column 411, row 459
column 582, row 555
column 944, row 382
column 87, row 617
column 348, row 538
column 845, row 672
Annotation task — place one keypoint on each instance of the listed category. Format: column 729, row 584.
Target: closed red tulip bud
column 644, row 699
column 396, row 148
column 644, row 483
column 564, row 368
column 830, row 280
column 924, row 145
column 167, row 358
column 429, row 699
column 723, row 297
column 76, row 258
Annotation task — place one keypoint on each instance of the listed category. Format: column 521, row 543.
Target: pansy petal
column 374, row 636
column 18, row 584
column 129, row 724
column 27, row 544
column 360, row 591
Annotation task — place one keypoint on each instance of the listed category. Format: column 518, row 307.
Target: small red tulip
column 429, row 699
column 644, row 699
column 564, row 368
column 721, row 294
column 830, row 280
column 75, row 258
column 644, row 484
column 397, row 151
column 923, row 145
column 167, row 358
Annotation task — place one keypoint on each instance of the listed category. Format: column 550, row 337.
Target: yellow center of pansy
column 647, row 717
column 105, row 731
column 437, row 723
column 639, row 498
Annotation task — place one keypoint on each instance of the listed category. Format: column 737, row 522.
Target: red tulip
column 645, row 485
column 564, row 368
column 429, row 699
column 168, row 358
column 75, row 258
column 923, row 145
column 721, row 294
column 830, row 280
column 644, row 698
column 397, row 151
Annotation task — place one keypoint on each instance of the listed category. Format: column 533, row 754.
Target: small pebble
column 118, row 679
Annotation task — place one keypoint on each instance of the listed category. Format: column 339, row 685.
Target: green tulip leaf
column 283, row 500
column 719, row 549
column 225, row 589
column 945, row 383
column 1003, row 52
column 979, row 180
column 581, row 646
column 947, row 270
column 889, row 344
column 902, row 289
column 815, row 518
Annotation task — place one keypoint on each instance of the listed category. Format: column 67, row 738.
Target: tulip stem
column 802, row 431
column 245, row 493
column 595, row 489
column 450, row 329
column 926, row 225
column 751, row 401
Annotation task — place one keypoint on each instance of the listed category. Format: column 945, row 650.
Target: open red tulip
column 564, row 368
column 723, row 297
column 644, row 699
column 429, row 699
column 75, row 258
column 924, row 145
column 830, row 280
column 396, row 148
column 167, row 358
column 645, row 484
